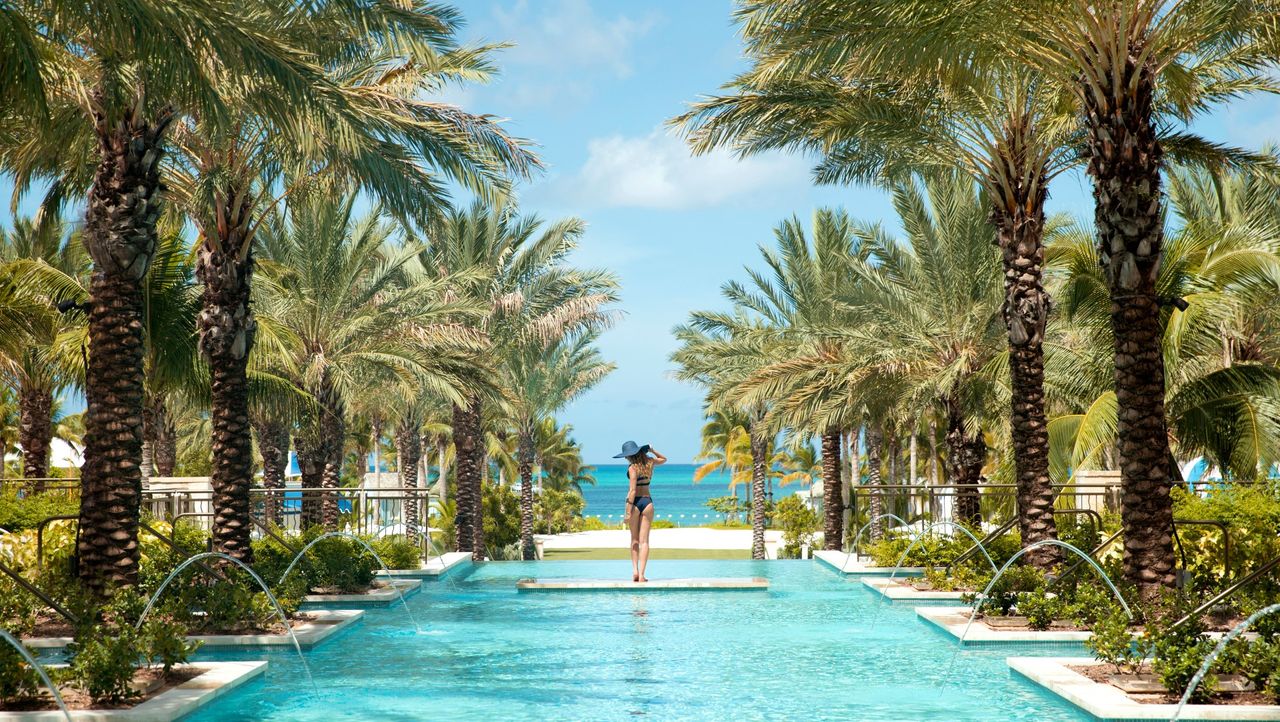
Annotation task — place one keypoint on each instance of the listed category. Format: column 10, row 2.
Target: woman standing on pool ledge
column 639, row 514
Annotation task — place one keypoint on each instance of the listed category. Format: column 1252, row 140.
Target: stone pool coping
column 217, row 679
column 376, row 596
column 1106, row 702
column 435, row 567
column 895, row 592
column 850, row 565
column 952, row 621
column 324, row 623
column 653, row 585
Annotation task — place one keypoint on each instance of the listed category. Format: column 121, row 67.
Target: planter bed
column 311, row 628
column 189, row 688
column 1107, row 702
column 435, row 567
column 851, row 565
column 379, row 595
column 895, row 591
column 952, row 621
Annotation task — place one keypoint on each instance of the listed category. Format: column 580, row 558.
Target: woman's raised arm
column 658, row 458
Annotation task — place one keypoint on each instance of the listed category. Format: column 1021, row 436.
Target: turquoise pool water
column 813, row 647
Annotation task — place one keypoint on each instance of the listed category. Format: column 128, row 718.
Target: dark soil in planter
column 149, row 679
column 1107, row 674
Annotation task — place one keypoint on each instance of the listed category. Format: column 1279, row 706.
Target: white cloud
column 568, row 34
column 658, row 171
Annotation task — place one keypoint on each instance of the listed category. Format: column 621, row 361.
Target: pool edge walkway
column 653, row 585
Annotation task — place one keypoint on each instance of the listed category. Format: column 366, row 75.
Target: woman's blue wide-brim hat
column 631, row 449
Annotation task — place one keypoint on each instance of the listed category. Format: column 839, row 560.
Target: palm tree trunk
column 35, row 434
column 875, row 440
column 409, row 446
column 466, row 440
column 933, row 452
column 525, row 454
column 164, row 439
column 855, row 474
column 120, row 235
column 1020, row 236
column 831, row 511
column 273, row 443
column 311, row 460
column 225, row 268
column 334, row 427
column 966, row 455
column 1125, row 161
column 759, row 470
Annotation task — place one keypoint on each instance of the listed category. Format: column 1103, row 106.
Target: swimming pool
column 813, row 647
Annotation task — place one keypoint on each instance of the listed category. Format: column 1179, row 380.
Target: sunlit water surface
column 814, row 647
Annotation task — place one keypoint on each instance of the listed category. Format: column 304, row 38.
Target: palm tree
column 333, row 303
column 542, row 378
column 35, row 368
column 736, row 439
column 374, row 133
column 115, row 80
column 510, row 265
column 994, row 88
column 800, row 308
column 1222, row 379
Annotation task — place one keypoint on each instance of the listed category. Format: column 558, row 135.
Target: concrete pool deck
column 433, row 568
column 952, row 621
column 677, row 538
column 379, row 596
column 851, row 565
column 653, row 585
column 896, row 592
column 1106, row 702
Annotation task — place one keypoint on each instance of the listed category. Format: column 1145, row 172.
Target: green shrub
column 107, row 647
column 1040, row 608
column 1179, row 652
column 1003, row 595
column 25, row 512
column 397, row 552
column 557, row 512
column 1261, row 663
column 1088, row 601
column 591, row 523
column 18, row 680
column 798, row 523
column 1112, row 642
column 501, row 517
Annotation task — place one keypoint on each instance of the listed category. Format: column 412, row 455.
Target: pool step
column 653, row 585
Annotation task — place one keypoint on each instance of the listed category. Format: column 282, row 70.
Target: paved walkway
column 681, row 538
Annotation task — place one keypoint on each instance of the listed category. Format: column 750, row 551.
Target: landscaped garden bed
column 158, row 696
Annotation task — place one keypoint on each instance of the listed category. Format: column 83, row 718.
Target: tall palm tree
column 989, row 87
column 542, row 378
column 334, row 304
column 35, row 368
column 512, row 266
column 1222, row 260
column 799, row 303
column 115, row 80
column 374, row 131
column 736, row 439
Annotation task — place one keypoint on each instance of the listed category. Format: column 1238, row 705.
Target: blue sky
column 592, row 82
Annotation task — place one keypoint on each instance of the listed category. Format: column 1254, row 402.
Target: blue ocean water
column 674, row 493
column 812, row 647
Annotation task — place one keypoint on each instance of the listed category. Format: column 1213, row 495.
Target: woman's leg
column 634, row 521
column 646, row 522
